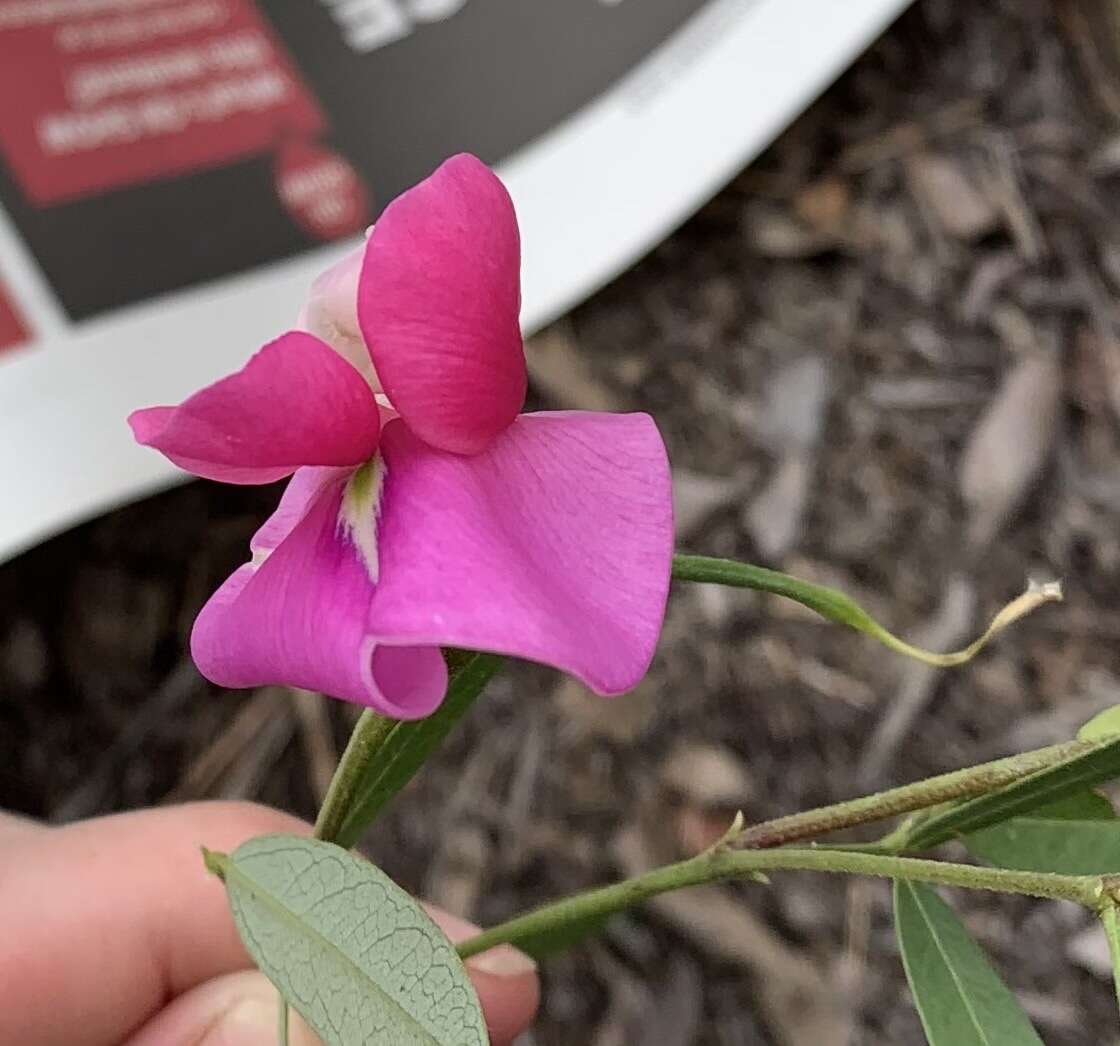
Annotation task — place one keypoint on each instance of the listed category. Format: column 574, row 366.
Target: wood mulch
column 886, row 357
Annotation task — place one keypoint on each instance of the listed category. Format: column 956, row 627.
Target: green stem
column 370, row 734
column 724, row 864
column 383, row 754
column 960, row 784
column 409, row 744
column 1110, row 919
column 282, row 1021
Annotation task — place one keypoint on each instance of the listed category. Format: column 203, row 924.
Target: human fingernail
column 503, row 961
column 250, row 1021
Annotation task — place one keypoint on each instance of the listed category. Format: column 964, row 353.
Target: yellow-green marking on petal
column 361, row 509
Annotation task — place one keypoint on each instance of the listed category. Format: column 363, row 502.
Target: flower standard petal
column 296, row 402
column 297, row 614
column 555, row 545
column 438, row 303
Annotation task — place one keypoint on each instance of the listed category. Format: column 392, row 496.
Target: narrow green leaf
column 1070, row 777
column 834, row 605
column 960, row 998
column 1085, row 805
column 1110, row 919
column 408, row 745
column 1103, row 724
column 1078, row 835
column 347, row 947
column 830, row 603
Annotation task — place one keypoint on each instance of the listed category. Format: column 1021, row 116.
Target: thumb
column 242, row 1009
column 238, row 1009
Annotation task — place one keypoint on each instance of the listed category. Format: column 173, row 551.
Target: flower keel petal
column 296, row 402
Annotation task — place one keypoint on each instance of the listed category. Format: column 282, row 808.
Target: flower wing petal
column 297, row 614
column 438, row 303
column 554, row 545
column 296, row 402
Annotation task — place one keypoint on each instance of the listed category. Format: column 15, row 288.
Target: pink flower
column 424, row 510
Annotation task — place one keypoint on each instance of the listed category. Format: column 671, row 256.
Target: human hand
column 111, row 931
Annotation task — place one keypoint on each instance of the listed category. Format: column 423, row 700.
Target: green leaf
column 346, row 946
column 830, row 603
column 1110, row 919
column 960, row 998
column 1086, row 805
column 834, row 605
column 1056, row 782
column 1078, row 835
column 1103, row 724
column 409, row 744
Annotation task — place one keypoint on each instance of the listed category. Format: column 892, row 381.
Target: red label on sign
column 99, row 94
column 12, row 330
column 321, row 191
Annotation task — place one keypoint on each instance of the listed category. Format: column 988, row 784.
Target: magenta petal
column 297, row 614
column 554, row 545
column 438, row 303
column 296, row 402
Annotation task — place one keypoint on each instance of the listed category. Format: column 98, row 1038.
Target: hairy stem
column 723, row 864
column 960, row 784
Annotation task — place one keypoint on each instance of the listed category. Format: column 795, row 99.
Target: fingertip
column 147, row 919
column 14, row 827
column 509, row 1002
column 229, row 822
column 238, row 1009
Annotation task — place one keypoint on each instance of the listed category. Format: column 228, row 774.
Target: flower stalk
column 383, row 754
column 368, row 738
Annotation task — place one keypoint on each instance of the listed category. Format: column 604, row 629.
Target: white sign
column 123, row 284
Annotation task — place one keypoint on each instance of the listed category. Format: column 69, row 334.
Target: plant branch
column 960, row 784
column 713, row 866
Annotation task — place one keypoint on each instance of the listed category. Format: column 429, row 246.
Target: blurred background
column 887, row 358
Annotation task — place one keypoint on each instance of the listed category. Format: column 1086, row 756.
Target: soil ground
column 887, row 357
